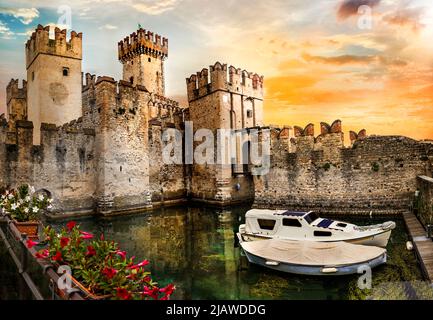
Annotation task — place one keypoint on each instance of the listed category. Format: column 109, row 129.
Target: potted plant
column 24, row 206
column 99, row 269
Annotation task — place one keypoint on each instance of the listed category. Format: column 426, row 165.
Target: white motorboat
column 308, row 226
column 313, row 258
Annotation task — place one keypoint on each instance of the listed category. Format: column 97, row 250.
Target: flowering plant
column 23, row 204
column 99, row 265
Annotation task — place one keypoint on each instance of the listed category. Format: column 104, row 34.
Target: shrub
column 375, row 167
column 23, row 204
column 100, row 266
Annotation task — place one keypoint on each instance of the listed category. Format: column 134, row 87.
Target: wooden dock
column 422, row 245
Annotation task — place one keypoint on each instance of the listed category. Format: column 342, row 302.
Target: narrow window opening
column 150, row 60
column 65, row 71
column 131, row 79
column 266, row 224
column 322, row 233
column 120, row 168
column 33, row 75
column 292, row 223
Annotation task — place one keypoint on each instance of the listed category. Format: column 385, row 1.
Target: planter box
column 83, row 291
column 31, row 228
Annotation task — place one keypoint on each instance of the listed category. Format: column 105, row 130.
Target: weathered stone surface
column 424, row 200
column 53, row 91
column 378, row 173
column 98, row 147
column 221, row 98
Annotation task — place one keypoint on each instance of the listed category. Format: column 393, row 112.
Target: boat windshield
column 311, row 217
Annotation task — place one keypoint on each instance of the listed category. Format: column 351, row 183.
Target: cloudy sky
column 366, row 62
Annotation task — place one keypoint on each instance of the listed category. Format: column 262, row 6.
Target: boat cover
column 310, row 253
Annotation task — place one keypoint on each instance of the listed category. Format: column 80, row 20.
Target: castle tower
column 224, row 98
column 142, row 55
column 229, row 101
column 16, row 101
column 53, row 78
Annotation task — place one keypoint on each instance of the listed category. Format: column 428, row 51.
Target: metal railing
column 21, row 254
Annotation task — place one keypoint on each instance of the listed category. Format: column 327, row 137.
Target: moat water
column 195, row 248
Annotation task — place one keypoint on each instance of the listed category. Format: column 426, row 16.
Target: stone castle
column 94, row 144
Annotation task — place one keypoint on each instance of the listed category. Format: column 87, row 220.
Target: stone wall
column 168, row 182
column 121, row 145
column 100, row 161
column 377, row 173
column 63, row 164
column 424, row 201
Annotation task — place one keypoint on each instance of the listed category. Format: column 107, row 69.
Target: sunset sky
column 322, row 60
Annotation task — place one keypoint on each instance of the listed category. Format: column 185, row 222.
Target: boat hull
column 379, row 239
column 317, row 270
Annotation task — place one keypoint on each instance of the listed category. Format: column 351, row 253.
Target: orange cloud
column 408, row 17
column 339, row 60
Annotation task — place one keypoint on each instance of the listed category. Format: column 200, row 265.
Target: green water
column 195, row 248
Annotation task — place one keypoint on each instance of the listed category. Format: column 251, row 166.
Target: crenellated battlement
column 14, row 91
column 89, row 81
column 165, row 101
column 335, row 127
column 331, row 136
column 219, row 77
column 357, row 136
column 163, row 108
column 40, row 42
column 142, row 42
column 304, row 132
column 117, row 87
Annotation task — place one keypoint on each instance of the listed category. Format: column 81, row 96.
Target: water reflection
column 195, row 248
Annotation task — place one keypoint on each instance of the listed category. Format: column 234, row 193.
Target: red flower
column 141, row 264
column 64, row 242
column 70, row 225
column 90, row 251
column 131, row 276
column 168, row 290
column 86, row 235
column 122, row 254
column 42, row 254
column 153, row 293
column 123, row 294
column 31, row 244
column 109, row 272
column 102, row 237
column 57, row 256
